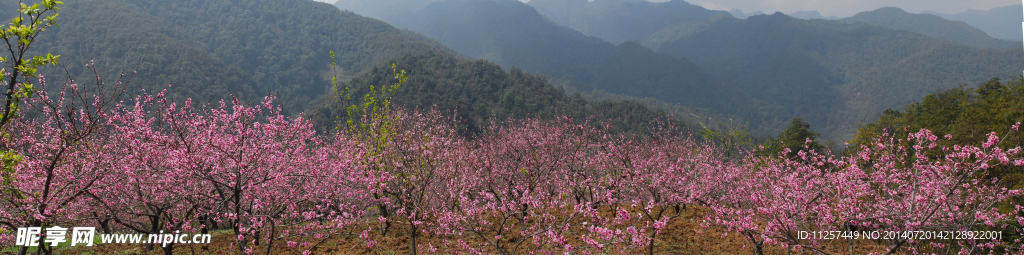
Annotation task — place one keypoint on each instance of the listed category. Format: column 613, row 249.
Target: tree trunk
column 270, row 243
column 387, row 219
column 168, row 248
column 412, row 234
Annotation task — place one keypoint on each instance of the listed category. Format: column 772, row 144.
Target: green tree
column 477, row 92
column 968, row 115
column 734, row 137
column 962, row 115
column 798, row 136
column 18, row 67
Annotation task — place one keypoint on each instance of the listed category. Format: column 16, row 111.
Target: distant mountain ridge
column 768, row 68
column 998, row 22
column 739, row 14
column 835, row 74
column 930, row 25
column 280, row 47
column 618, row 21
column 511, row 33
column 811, row 15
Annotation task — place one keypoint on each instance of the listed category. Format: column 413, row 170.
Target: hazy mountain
column 998, row 22
column 382, row 9
column 811, row 15
column 619, row 21
column 263, row 46
column 511, row 33
column 930, row 25
column 835, row 74
column 281, row 47
column 739, row 14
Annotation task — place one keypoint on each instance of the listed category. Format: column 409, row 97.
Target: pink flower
column 993, row 139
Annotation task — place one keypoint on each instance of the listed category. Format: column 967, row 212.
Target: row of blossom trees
column 150, row 165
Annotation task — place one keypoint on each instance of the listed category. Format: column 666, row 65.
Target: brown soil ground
column 684, row 235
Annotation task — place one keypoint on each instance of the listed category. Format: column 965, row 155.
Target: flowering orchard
column 149, row 165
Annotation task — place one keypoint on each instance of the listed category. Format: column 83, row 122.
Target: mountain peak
column 996, row 22
column 930, row 25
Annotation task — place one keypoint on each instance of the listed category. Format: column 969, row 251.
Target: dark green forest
column 967, row 113
column 281, row 48
column 478, row 92
column 264, row 46
column 511, row 33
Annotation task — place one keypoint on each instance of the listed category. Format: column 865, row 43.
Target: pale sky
column 840, row 8
column 846, row 8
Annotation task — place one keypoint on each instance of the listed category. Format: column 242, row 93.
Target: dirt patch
column 683, row 235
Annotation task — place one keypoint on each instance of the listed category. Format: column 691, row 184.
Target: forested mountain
column 834, row 74
column 281, row 47
column 479, row 91
column 930, row 25
column 511, row 33
column 766, row 69
column 208, row 49
column 968, row 113
column 619, row 21
column 998, row 22
column 120, row 37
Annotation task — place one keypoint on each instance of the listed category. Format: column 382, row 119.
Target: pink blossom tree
column 657, row 177
column 150, row 190
column 918, row 185
column 894, row 184
column 513, row 189
column 64, row 155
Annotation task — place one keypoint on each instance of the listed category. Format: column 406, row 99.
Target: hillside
column 998, row 22
column 265, row 46
column 930, row 25
column 119, row 37
column 834, row 74
column 479, row 91
column 511, row 33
